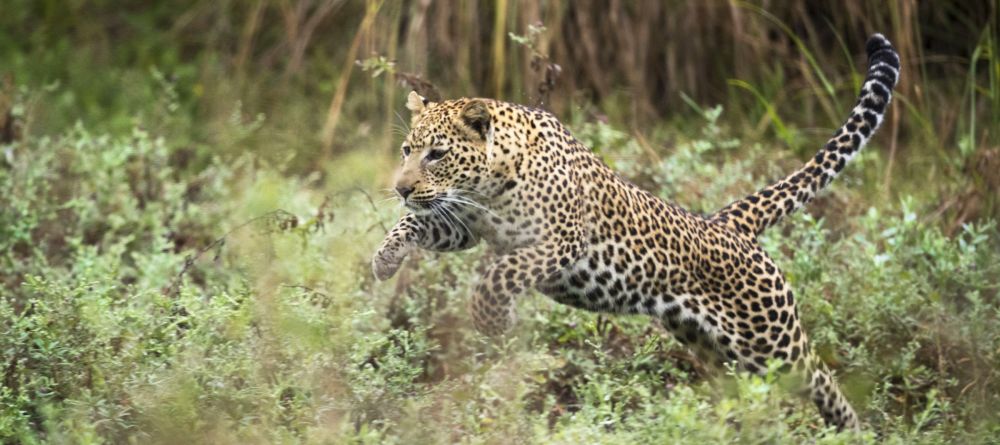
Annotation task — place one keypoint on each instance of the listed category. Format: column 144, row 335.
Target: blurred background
column 190, row 192
column 330, row 75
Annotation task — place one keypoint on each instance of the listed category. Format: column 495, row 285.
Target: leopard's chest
column 506, row 230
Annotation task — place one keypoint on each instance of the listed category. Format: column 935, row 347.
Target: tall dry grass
column 770, row 63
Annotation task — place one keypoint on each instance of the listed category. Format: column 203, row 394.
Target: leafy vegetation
column 184, row 255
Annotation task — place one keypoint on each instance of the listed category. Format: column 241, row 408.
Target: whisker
column 457, row 219
column 437, row 209
column 467, row 201
column 468, row 230
column 473, row 192
column 405, row 125
column 453, row 200
column 459, row 193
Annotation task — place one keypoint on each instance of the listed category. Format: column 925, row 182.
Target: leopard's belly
column 611, row 278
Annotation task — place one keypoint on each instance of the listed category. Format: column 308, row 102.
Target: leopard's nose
column 404, row 191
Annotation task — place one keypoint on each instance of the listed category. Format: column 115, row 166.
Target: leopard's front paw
column 385, row 266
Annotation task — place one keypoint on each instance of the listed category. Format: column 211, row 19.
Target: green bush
column 154, row 291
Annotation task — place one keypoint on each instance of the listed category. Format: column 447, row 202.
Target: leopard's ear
column 416, row 103
column 476, row 115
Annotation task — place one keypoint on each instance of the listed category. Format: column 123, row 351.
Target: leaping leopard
column 567, row 225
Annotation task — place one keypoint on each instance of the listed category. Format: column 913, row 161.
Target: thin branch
column 174, row 286
column 371, row 201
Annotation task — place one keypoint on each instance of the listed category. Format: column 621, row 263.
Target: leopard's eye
column 436, row 154
column 406, row 150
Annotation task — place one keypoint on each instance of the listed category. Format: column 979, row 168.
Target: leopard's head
column 446, row 154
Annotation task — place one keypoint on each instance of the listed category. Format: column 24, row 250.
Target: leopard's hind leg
column 825, row 393
column 752, row 319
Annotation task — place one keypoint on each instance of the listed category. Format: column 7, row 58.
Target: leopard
column 563, row 223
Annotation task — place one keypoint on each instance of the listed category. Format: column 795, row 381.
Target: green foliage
column 145, row 297
column 910, row 314
column 530, row 40
column 377, row 65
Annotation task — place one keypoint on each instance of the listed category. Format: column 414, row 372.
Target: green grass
column 279, row 334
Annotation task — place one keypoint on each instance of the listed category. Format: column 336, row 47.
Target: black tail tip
column 880, row 49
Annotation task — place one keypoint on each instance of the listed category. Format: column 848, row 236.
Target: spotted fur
column 567, row 225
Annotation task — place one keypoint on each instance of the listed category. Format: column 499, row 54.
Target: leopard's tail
column 755, row 213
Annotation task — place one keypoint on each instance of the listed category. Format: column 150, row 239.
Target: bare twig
column 541, row 64
column 305, row 288
column 371, row 201
column 174, row 286
column 323, row 214
column 323, row 298
column 421, row 86
column 550, row 75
